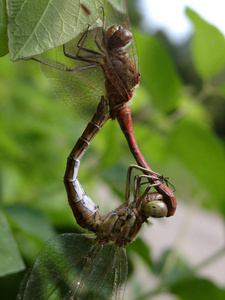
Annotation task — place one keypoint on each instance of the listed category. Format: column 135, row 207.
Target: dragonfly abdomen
column 84, row 209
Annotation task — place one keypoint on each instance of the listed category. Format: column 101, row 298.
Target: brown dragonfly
column 102, row 62
column 76, row 266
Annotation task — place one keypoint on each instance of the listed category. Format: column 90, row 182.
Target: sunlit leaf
column 37, row 26
column 208, row 46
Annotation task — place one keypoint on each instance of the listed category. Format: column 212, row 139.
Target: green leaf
column 197, row 288
column 208, row 46
column 9, row 285
column 142, row 250
column 156, row 66
column 30, row 221
column 171, row 275
column 37, row 26
column 203, row 155
column 110, row 133
column 3, row 29
column 10, row 259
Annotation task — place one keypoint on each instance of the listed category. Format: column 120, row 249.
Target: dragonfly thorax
column 121, row 226
column 121, row 78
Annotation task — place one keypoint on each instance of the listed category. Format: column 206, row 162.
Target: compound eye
column 156, row 209
column 119, row 39
column 111, row 30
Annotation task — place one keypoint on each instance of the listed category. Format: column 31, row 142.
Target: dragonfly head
column 155, row 207
column 118, row 37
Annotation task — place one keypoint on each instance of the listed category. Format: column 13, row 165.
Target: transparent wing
column 80, row 91
column 74, row 266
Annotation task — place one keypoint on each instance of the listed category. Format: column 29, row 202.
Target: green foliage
column 11, row 260
column 178, row 130
column 186, row 141
column 208, row 46
column 3, row 29
column 196, row 288
column 51, row 24
column 165, row 91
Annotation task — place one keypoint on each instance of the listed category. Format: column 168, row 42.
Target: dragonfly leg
column 101, row 49
column 82, row 57
column 152, row 204
column 138, row 184
column 103, row 28
column 80, row 46
column 137, row 181
column 157, row 176
column 156, row 205
column 128, row 184
column 91, row 59
column 64, row 69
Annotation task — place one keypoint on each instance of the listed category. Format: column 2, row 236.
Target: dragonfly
column 93, row 266
column 102, row 62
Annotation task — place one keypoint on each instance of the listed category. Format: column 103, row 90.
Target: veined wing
column 74, row 266
column 80, row 91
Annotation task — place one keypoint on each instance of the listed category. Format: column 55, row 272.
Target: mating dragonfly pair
column 101, row 64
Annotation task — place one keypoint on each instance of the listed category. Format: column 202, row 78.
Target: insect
column 76, row 266
column 102, row 63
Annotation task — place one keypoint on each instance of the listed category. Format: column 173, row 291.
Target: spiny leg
column 155, row 206
column 80, row 46
column 128, row 184
column 138, row 184
column 88, row 58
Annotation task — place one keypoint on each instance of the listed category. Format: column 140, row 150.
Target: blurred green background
column 179, row 122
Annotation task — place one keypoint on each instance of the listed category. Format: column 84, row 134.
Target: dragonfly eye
column 119, row 39
column 156, row 209
column 111, row 30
